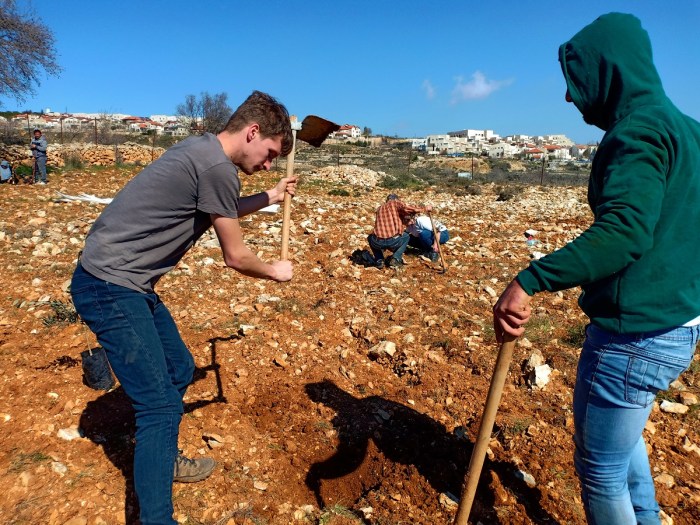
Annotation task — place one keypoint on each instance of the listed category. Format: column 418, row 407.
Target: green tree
column 26, row 49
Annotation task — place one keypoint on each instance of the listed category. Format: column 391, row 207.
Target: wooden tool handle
column 288, row 202
column 437, row 240
column 505, row 355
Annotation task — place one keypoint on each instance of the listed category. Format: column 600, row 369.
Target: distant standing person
column 389, row 233
column 141, row 235
column 423, row 237
column 38, row 147
column 637, row 264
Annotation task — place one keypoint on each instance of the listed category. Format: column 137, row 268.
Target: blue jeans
column 396, row 245
column 617, row 381
column 425, row 241
column 154, row 367
column 40, row 169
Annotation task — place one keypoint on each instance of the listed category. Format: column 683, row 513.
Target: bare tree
column 104, row 129
column 215, row 112
column 209, row 113
column 26, row 48
column 191, row 111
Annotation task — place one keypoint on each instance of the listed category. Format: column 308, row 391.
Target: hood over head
column 609, row 69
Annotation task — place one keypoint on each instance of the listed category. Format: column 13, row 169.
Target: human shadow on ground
column 109, row 422
column 408, row 437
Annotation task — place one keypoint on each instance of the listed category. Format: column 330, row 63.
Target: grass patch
column 538, row 329
column 24, row 461
column 63, row 313
column 519, row 426
column 337, row 510
column 694, row 367
column 665, row 395
column 575, row 335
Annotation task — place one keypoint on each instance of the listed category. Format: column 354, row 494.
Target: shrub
column 23, row 171
column 63, row 314
column 400, row 181
column 72, row 160
column 505, row 194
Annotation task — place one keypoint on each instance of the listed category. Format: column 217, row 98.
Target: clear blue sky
column 404, row 68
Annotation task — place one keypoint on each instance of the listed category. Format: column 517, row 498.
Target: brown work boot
column 190, row 470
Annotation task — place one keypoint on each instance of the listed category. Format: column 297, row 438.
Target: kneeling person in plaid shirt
column 390, row 230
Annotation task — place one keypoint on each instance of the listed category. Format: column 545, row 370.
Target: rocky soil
column 350, row 395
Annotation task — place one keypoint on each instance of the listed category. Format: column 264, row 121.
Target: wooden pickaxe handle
column 437, row 240
column 287, row 212
column 505, row 355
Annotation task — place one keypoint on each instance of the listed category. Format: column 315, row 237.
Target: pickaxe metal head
column 314, row 130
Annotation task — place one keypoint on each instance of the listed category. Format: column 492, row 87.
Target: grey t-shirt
column 160, row 214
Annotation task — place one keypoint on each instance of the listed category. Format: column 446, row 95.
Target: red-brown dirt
column 305, row 426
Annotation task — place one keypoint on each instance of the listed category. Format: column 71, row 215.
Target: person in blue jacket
column 38, row 147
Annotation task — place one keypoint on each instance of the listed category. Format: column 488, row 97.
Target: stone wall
column 88, row 153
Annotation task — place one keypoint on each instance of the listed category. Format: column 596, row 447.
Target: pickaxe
column 313, row 130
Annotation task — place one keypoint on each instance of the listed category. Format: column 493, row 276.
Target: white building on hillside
column 502, row 150
column 478, row 135
column 419, row 144
column 347, row 131
column 163, row 119
column 438, row 144
column 559, row 140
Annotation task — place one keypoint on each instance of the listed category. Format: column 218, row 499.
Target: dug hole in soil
column 308, row 416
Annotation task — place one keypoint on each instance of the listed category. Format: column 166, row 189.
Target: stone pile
column 350, row 174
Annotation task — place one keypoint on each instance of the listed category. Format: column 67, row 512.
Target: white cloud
column 477, row 87
column 429, row 89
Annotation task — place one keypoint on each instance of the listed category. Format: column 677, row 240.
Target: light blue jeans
column 154, row 367
column 40, row 169
column 617, row 381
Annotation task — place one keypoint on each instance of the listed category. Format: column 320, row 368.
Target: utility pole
column 153, row 144
column 542, row 173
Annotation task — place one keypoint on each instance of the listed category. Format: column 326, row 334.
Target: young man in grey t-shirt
column 141, row 235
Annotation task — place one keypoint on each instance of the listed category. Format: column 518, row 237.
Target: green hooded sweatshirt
column 638, row 264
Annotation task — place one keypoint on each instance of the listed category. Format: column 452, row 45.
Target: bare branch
column 26, row 49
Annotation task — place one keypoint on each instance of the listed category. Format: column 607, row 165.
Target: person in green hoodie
column 636, row 264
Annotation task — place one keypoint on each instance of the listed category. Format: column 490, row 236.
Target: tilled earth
column 306, row 423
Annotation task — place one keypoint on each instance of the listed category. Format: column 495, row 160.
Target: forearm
column 253, row 203
column 247, row 263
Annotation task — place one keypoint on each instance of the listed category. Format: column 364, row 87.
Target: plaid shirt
column 391, row 219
